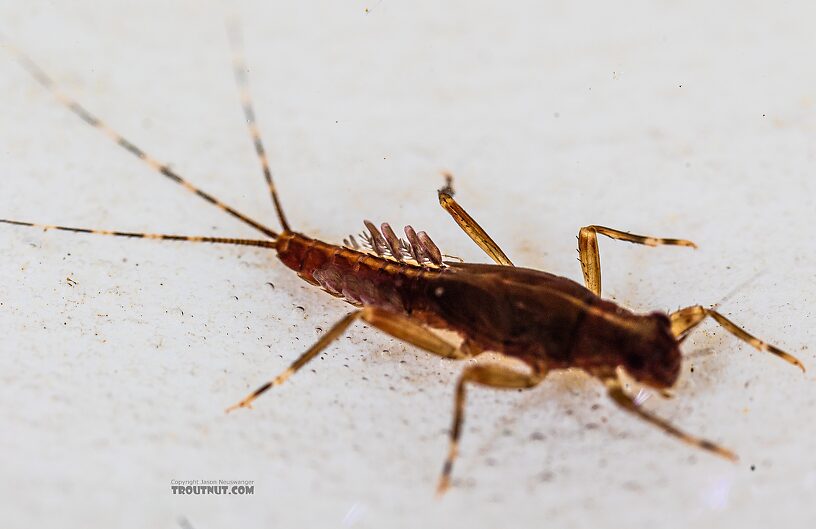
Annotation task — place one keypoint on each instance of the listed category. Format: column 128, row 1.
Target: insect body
column 405, row 288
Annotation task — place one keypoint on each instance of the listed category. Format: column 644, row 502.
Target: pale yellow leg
column 591, row 258
column 472, row 228
column 494, row 376
column 407, row 330
column 685, row 320
column 399, row 327
column 615, row 390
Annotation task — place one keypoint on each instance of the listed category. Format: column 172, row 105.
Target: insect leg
column 407, row 330
column 397, row 326
column 313, row 351
column 241, row 78
column 494, row 376
column 39, row 74
column 685, row 320
column 615, row 390
column 591, row 259
column 472, row 228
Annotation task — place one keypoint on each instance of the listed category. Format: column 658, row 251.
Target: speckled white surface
column 661, row 118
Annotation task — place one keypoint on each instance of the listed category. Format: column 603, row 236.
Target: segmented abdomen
column 356, row 277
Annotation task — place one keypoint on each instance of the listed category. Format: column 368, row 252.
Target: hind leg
column 469, row 225
column 399, row 327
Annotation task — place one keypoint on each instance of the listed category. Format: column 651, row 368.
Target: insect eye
column 635, row 361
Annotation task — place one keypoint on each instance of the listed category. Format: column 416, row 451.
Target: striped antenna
column 155, row 236
column 240, row 70
column 39, row 74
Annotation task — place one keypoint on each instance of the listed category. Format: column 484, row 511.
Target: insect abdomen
column 356, row 277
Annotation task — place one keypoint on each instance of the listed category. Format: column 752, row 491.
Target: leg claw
column 443, row 486
column 246, row 403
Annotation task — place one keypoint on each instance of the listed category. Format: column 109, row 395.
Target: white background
column 675, row 120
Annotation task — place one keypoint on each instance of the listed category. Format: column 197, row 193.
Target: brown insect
column 404, row 288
